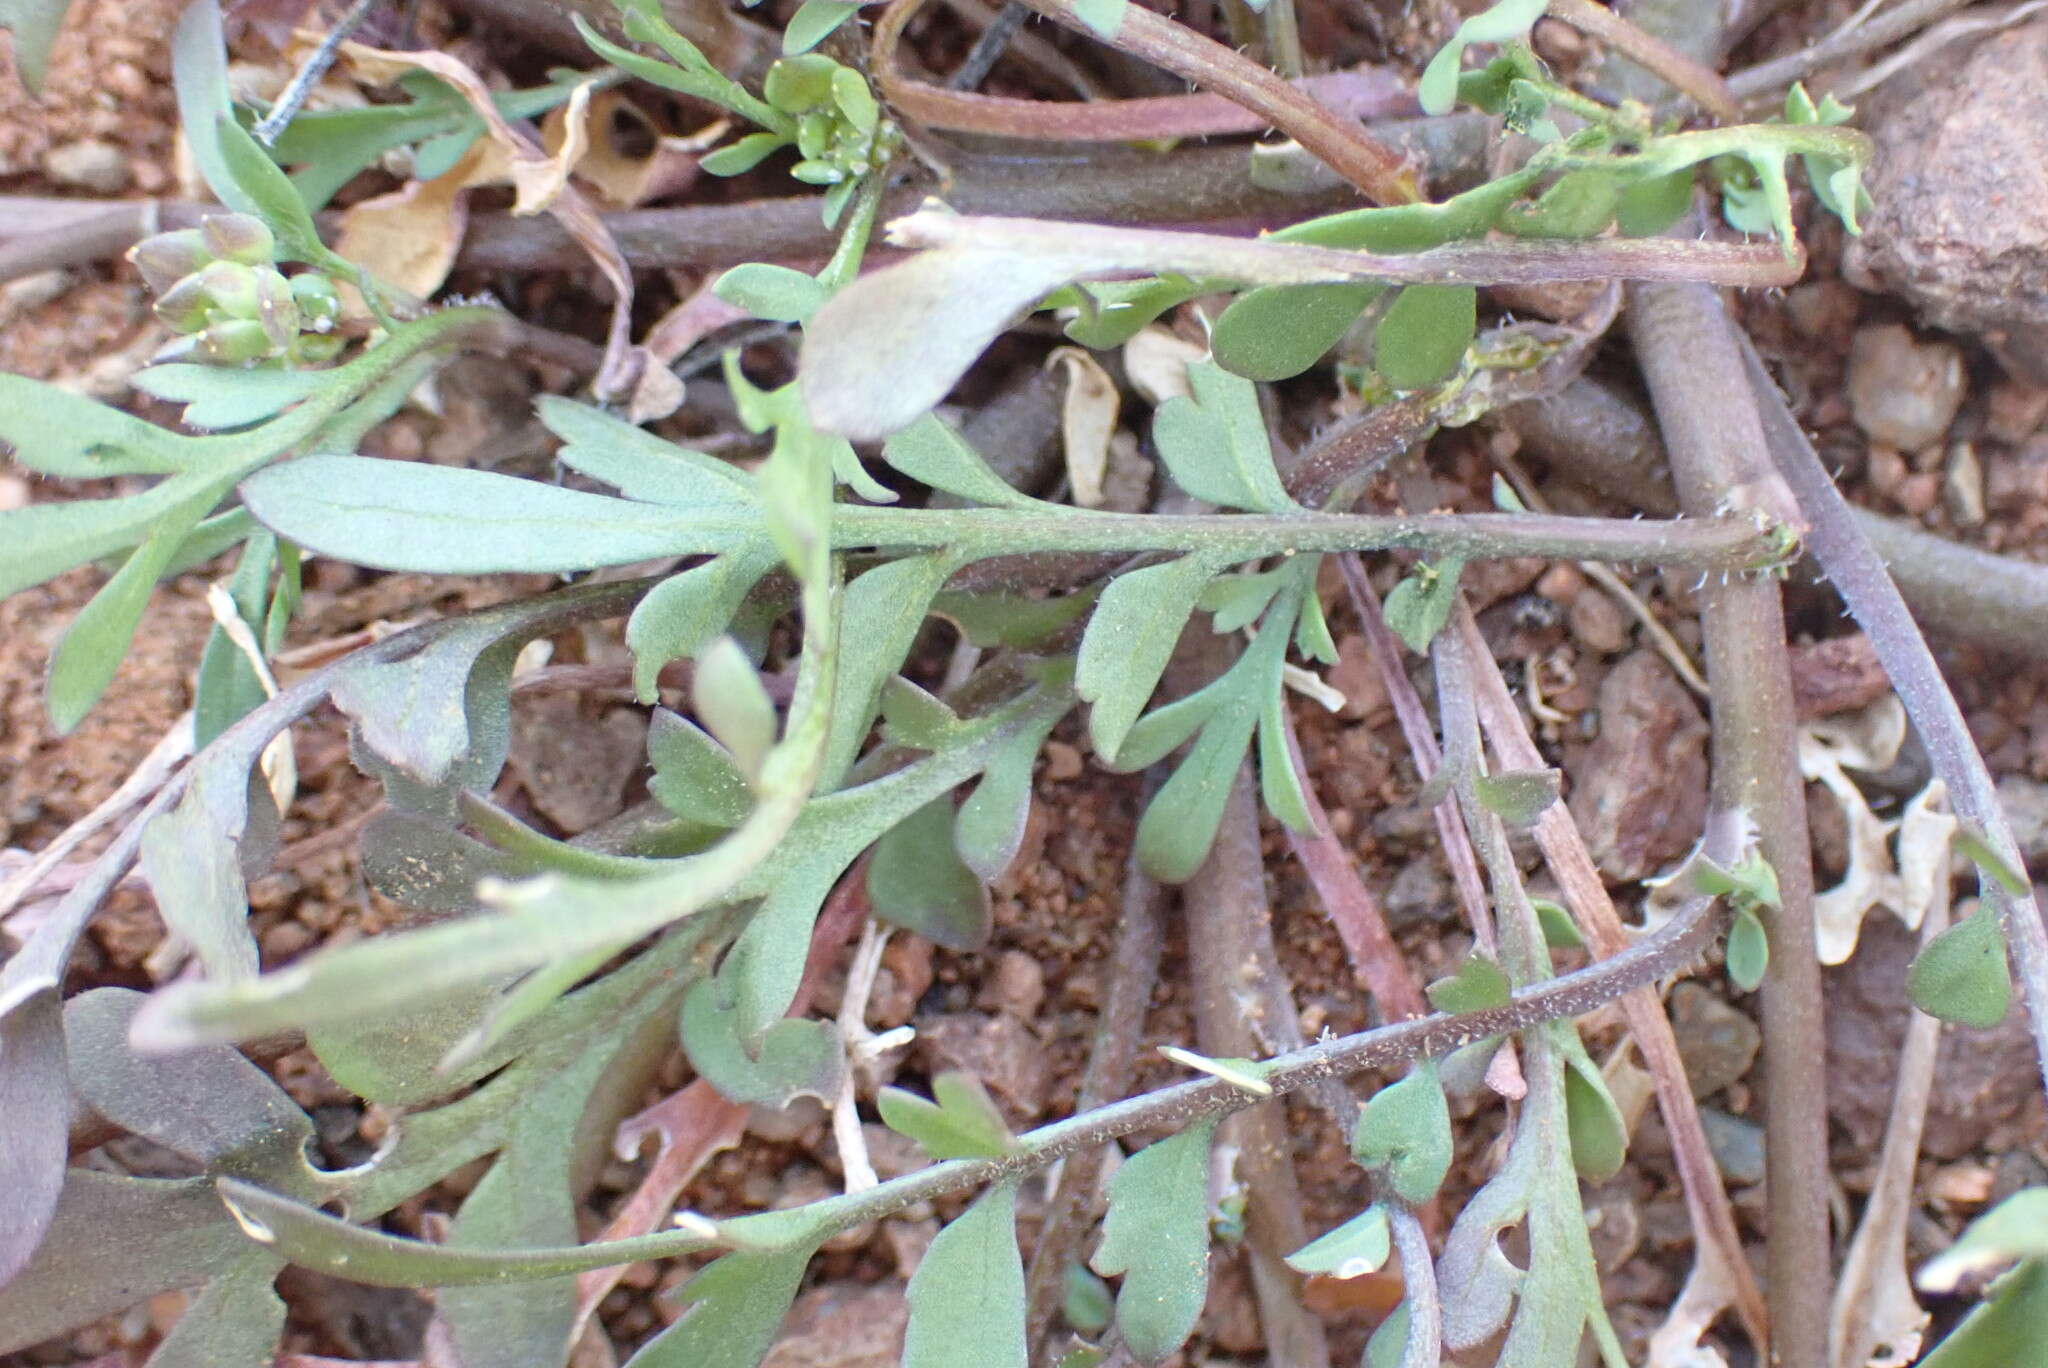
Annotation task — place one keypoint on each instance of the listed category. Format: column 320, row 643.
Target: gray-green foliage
column 513, row 1021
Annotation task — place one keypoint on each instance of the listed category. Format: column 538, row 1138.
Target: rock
column 999, row 1050
column 1987, row 1088
column 1737, row 1146
column 1357, row 677
column 1598, row 623
column 575, row 767
column 843, row 1325
column 1903, row 393
column 2013, row 411
column 1639, row 792
column 1717, row 1042
column 1960, row 172
column 2025, row 804
column 1962, row 485
column 1839, row 674
column 88, row 164
column 1420, row 892
column 1016, row 987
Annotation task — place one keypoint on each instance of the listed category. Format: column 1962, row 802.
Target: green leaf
column 1990, row 864
column 1560, row 932
column 228, row 688
column 881, row 614
column 1421, row 339
column 813, row 22
column 1214, row 443
column 1478, row 985
column 1518, row 797
column 2006, row 1329
column 692, row 74
column 1088, row 1304
column 969, row 1290
column 97, row 640
column 637, row 463
column 684, row 612
column 1179, row 826
column 234, row 1322
column 911, row 717
column 1103, row 17
column 1360, row 1245
column 917, row 880
column 733, row 704
column 1156, row 1234
column 1961, row 975
column 2017, row 1228
column 1278, row 331
column 990, row 827
column 1599, row 1135
column 1420, row 605
column 742, row 155
column 1388, row 1346
column 1749, row 949
column 1279, row 785
column 1579, row 204
column 795, row 1057
column 35, row 25
column 62, row 433
column 959, row 1121
column 694, row 776
column 1406, row 1129
column 218, row 397
column 1112, row 312
column 403, row 515
column 1011, row 620
column 1652, row 206
column 774, row 292
column 1130, row 638
column 931, row 452
column 1507, row 20
column 736, row 1306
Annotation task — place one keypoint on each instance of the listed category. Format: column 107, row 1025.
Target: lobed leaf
column 1130, row 638
column 959, row 1121
column 1156, row 1235
column 792, row 1058
column 917, row 880
column 1405, row 1129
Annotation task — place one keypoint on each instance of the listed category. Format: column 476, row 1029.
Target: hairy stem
column 1696, row 81
column 326, row 1244
column 1687, row 348
column 1857, row 572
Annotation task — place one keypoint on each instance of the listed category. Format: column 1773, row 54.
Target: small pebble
column 88, row 164
column 1902, row 392
column 2013, row 411
column 1599, row 624
column 1062, row 762
column 1962, row 485
column 1737, row 1146
column 1717, row 1042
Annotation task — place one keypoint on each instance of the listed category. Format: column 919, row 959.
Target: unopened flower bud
column 235, row 342
column 319, row 302
column 231, row 289
column 238, row 237
column 275, row 308
column 316, row 349
column 186, row 306
column 167, row 258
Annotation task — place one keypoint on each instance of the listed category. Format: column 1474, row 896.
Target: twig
column 293, row 97
column 1687, row 349
column 1243, row 1007
column 1924, row 47
column 1365, row 93
column 1112, row 1057
column 1859, row 575
column 1571, row 864
column 1376, row 169
column 1596, row 436
column 988, row 48
column 367, row 1256
column 1375, row 958
column 1699, row 83
column 1421, row 738
column 1889, row 27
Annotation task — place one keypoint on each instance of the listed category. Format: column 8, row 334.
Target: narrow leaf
column 736, row 1306
column 637, row 463
column 694, row 776
column 1130, row 637
column 733, row 704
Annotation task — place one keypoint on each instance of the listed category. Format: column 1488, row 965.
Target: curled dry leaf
column 1087, row 420
column 409, row 238
column 1905, row 885
column 1157, row 361
column 540, row 184
column 625, row 180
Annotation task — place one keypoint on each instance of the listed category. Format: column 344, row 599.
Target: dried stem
column 1859, row 575
column 1133, row 968
column 1687, row 348
column 1571, row 864
column 1376, row 169
column 1767, row 78
column 1698, row 82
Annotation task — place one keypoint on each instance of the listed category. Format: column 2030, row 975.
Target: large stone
column 1959, row 179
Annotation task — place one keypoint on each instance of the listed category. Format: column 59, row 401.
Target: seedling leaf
column 1156, row 1234
column 958, row 1121
column 1961, row 975
column 969, row 1290
column 1477, row 985
column 1406, row 1129
column 1359, row 1246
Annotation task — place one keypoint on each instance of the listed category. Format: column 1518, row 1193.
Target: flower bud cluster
column 218, row 284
